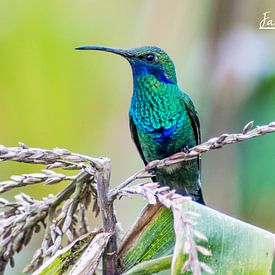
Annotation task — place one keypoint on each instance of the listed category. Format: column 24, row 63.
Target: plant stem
column 108, row 218
column 142, row 174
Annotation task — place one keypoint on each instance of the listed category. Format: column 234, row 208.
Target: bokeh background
column 52, row 96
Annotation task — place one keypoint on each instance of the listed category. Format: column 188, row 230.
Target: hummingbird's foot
column 152, row 171
column 185, row 149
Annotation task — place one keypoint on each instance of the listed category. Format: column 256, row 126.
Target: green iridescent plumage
column 163, row 120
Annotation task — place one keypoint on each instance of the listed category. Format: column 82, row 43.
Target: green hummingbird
column 163, row 119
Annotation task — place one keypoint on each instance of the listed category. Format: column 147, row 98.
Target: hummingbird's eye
column 151, row 58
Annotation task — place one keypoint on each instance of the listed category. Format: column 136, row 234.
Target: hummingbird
column 162, row 117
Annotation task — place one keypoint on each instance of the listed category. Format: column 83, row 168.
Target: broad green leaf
column 237, row 247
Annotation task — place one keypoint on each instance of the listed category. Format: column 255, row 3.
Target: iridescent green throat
column 155, row 104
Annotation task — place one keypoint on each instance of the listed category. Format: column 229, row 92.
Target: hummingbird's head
column 147, row 60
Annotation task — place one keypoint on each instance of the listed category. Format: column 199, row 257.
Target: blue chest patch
column 164, row 135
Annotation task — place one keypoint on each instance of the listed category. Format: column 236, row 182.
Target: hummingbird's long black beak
column 124, row 53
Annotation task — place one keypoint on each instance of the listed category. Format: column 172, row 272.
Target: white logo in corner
column 267, row 23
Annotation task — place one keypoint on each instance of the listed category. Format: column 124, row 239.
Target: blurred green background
column 52, row 96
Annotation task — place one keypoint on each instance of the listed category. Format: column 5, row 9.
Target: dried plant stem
column 108, row 218
column 67, row 192
column 47, row 176
column 62, row 196
column 54, row 202
column 142, row 174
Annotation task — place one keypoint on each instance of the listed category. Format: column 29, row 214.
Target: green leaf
column 236, row 247
column 152, row 266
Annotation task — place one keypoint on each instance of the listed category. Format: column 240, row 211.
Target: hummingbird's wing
column 135, row 138
column 196, row 128
column 193, row 116
column 194, row 120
